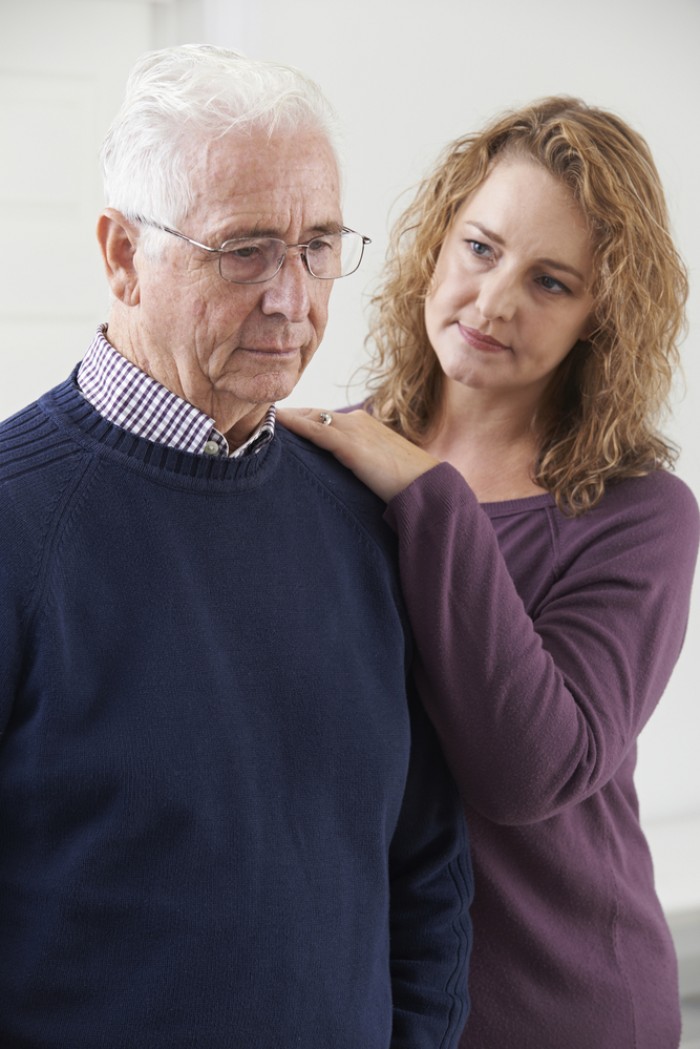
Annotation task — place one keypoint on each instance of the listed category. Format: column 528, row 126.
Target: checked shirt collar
column 136, row 402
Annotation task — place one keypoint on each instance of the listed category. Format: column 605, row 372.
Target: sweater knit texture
column 544, row 644
column 224, row 821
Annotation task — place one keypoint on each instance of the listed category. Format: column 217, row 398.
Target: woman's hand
column 380, row 458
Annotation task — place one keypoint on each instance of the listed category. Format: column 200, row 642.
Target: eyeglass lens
column 255, row 259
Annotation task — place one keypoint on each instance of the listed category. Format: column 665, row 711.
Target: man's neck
column 235, row 420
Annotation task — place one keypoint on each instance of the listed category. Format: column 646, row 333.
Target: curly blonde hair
column 600, row 414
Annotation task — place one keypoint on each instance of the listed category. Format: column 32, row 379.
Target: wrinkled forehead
column 265, row 176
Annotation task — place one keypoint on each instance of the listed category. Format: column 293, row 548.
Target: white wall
column 408, row 77
column 405, row 77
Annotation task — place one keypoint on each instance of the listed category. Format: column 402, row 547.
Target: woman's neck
column 491, row 443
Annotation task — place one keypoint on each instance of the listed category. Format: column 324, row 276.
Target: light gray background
column 405, row 78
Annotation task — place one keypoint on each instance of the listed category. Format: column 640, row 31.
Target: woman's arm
column 538, row 705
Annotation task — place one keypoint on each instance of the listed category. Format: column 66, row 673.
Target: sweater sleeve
column 431, row 892
column 19, row 563
column 36, row 479
column 537, row 708
column 10, row 631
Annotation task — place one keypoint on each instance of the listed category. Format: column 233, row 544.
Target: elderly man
column 223, row 820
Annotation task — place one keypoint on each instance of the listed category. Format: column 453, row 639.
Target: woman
column 526, row 337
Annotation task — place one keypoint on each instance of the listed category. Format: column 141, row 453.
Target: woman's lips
column 479, row 341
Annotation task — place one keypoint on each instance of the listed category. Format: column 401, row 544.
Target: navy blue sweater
column 221, row 822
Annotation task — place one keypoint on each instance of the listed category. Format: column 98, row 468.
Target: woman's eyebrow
column 552, row 263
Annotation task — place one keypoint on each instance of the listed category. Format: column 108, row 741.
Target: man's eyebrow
column 243, row 233
column 553, row 264
column 327, row 227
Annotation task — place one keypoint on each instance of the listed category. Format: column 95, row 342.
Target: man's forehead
column 261, row 162
column 268, row 182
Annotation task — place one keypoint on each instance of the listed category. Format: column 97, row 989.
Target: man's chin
column 275, row 383
column 265, row 389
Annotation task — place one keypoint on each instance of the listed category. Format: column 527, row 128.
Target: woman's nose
column 498, row 295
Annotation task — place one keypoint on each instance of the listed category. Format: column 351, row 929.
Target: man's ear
column 117, row 238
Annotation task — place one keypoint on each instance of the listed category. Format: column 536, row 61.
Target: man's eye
column 246, row 251
column 321, row 245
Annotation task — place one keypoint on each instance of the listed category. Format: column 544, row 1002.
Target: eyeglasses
column 253, row 260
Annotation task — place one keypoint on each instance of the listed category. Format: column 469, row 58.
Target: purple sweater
column 544, row 645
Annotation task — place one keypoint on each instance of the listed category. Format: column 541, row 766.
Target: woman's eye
column 552, row 284
column 477, row 248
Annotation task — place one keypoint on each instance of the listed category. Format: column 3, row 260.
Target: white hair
column 197, row 92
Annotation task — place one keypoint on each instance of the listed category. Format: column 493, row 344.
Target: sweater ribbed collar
column 68, row 408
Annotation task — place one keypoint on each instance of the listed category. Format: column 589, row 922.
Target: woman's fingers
column 382, row 459
column 313, row 423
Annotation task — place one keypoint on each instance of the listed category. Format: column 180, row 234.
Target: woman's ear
column 117, row 237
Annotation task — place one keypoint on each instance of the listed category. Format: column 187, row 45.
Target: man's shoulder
column 36, row 457
column 338, row 485
column 325, row 470
column 22, row 436
column 28, row 425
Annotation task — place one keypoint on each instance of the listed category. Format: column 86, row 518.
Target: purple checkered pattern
column 129, row 398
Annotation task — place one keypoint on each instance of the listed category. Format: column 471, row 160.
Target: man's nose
column 287, row 292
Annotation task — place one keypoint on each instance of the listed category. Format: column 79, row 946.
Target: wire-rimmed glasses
column 254, row 260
